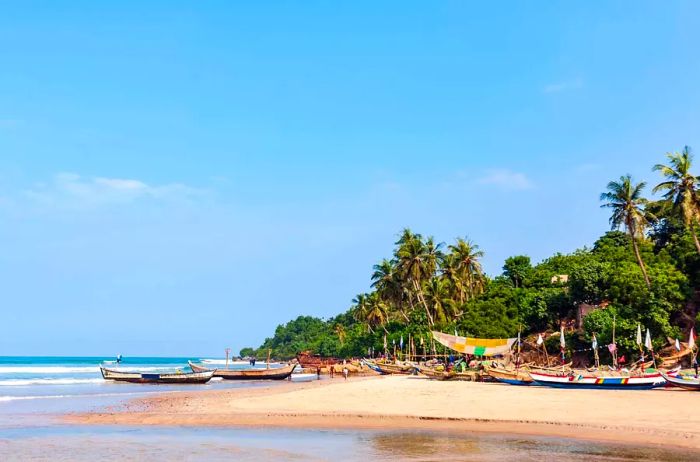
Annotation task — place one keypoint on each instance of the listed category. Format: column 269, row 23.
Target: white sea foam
column 46, row 381
column 80, row 369
column 100, row 395
column 47, row 369
column 232, row 363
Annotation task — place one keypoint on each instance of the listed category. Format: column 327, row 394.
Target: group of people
column 331, row 371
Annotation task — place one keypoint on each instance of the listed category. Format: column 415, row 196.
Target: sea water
column 46, row 384
column 33, row 390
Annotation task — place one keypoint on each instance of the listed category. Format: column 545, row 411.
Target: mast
column 614, row 352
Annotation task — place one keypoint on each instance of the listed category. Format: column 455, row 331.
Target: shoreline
column 390, row 403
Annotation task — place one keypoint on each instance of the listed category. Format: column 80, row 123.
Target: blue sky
column 179, row 177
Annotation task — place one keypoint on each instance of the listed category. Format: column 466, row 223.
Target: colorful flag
column 639, row 334
column 647, row 341
column 594, row 343
column 540, row 340
column 612, row 348
column 475, row 346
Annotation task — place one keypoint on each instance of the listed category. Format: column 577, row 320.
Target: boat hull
column 511, row 377
column 645, row 382
column 686, row 384
column 135, row 377
column 279, row 373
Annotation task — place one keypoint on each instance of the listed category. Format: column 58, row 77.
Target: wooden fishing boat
column 683, row 381
column 308, row 360
column 436, row 374
column 511, row 377
column 273, row 373
column 175, row 378
column 573, row 380
column 390, row 368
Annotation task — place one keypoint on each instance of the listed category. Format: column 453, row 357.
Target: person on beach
column 318, row 372
column 331, row 370
column 345, row 372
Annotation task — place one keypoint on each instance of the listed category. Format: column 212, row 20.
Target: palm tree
column 681, row 188
column 377, row 314
column 467, row 255
column 339, row 330
column 417, row 262
column 386, row 281
column 438, row 298
column 360, row 310
column 627, row 204
column 449, row 269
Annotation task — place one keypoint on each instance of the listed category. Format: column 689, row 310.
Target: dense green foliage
column 647, row 274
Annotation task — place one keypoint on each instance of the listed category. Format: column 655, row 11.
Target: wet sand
column 663, row 417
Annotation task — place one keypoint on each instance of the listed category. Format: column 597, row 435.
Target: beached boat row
column 201, row 374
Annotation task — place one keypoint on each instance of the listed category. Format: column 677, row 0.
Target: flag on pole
column 518, row 337
column 421, row 341
column 385, row 342
column 456, row 334
column 540, row 340
column 691, row 338
column 639, row 334
column 678, row 345
column 594, row 343
column 401, row 342
column 612, row 347
column 647, row 341
column 562, row 340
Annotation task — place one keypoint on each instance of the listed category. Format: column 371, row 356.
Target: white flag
column 678, row 345
column 594, row 344
column 540, row 340
column 639, row 334
column 647, row 341
column 456, row 334
column 691, row 339
column 562, row 340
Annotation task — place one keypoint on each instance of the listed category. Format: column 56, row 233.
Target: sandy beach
column 657, row 417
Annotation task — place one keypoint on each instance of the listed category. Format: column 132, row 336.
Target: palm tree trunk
column 695, row 236
column 421, row 299
column 641, row 263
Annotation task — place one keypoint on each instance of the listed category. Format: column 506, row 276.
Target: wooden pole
column 269, row 350
column 228, row 350
column 614, row 352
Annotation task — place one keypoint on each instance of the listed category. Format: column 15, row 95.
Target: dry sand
column 652, row 417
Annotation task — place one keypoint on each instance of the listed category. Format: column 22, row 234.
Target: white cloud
column 558, row 87
column 74, row 190
column 506, row 179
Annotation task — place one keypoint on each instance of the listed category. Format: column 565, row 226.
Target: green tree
column 417, row 263
column 467, row 257
column 627, row 204
column 681, row 189
column 517, row 269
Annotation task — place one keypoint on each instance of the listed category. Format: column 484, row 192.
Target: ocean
column 50, row 384
column 35, row 390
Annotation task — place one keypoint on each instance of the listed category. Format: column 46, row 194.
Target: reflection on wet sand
column 76, row 443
